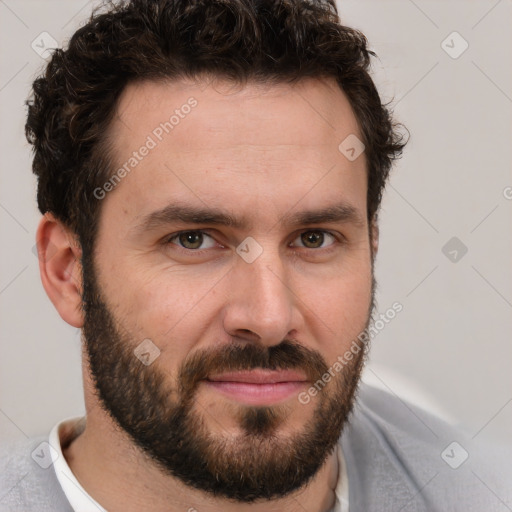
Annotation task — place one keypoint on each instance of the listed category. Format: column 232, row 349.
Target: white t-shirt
column 65, row 431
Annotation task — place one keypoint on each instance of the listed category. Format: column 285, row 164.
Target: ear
column 60, row 268
column 374, row 235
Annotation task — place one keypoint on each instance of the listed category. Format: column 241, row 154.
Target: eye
column 315, row 239
column 191, row 240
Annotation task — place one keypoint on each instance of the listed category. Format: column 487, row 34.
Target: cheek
column 164, row 306
column 352, row 292
column 340, row 308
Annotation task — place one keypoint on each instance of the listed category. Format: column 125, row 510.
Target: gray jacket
column 398, row 458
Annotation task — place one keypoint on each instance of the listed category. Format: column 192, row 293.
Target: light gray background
column 451, row 343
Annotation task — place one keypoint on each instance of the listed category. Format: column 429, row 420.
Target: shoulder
column 27, row 478
column 398, row 456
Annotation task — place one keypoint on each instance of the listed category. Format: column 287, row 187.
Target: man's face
column 277, row 289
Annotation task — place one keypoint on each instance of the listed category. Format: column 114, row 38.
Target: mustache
column 287, row 355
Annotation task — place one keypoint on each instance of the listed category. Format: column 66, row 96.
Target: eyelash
column 338, row 239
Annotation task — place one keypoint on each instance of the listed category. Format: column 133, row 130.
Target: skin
column 261, row 152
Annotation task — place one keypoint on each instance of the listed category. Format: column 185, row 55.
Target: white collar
column 62, row 434
column 341, row 489
column 65, row 431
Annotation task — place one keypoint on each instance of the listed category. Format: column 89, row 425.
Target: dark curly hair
column 274, row 41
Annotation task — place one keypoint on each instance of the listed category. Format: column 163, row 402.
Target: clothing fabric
column 61, row 436
column 394, row 457
column 67, row 430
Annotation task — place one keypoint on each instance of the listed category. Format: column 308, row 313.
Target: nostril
column 246, row 334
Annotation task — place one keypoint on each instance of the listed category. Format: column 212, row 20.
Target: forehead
column 228, row 111
column 217, row 142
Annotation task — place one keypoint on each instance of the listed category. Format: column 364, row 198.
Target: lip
column 260, row 376
column 258, row 387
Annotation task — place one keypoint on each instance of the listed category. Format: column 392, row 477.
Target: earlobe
column 60, row 268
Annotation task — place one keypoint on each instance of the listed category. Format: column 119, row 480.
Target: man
column 210, row 175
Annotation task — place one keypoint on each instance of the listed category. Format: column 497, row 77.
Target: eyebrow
column 188, row 214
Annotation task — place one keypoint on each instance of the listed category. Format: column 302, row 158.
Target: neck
column 120, row 477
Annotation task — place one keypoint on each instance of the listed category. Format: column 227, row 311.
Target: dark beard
column 160, row 418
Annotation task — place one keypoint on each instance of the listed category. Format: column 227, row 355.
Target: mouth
column 258, row 387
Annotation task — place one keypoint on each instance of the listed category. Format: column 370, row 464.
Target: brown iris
column 316, row 238
column 191, row 239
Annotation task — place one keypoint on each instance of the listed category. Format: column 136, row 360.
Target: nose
column 261, row 305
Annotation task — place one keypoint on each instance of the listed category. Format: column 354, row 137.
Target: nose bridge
column 261, row 300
